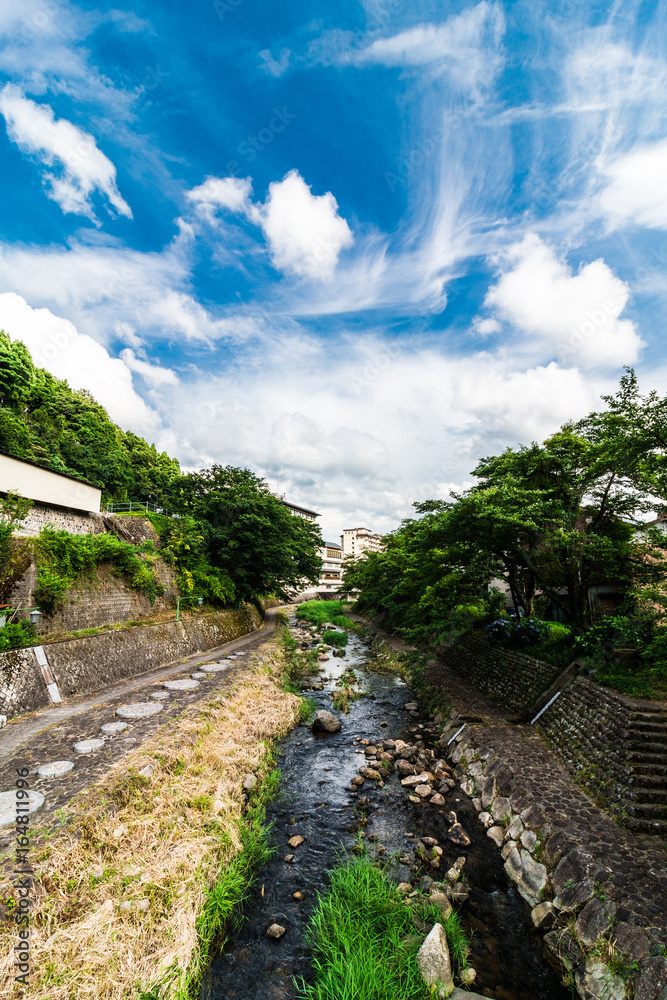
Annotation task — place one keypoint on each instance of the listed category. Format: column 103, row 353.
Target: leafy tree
column 251, row 534
column 15, row 555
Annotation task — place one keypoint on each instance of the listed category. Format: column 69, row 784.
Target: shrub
column 15, row 635
column 518, row 633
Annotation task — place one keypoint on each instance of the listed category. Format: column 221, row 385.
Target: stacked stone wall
column 513, row 680
column 75, row 522
column 588, row 728
column 95, row 661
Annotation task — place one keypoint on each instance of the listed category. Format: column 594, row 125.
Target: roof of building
column 295, row 506
column 333, row 545
column 48, row 468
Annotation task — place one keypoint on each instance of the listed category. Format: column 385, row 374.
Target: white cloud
column 305, row 232
column 85, row 169
column 576, row 315
column 154, row 375
column 467, row 45
column 636, row 191
column 222, row 192
column 57, row 345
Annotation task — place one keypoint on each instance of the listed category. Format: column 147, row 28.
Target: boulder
column 572, row 868
column 497, row 835
column 532, row 817
column 423, row 791
column 275, row 931
column 500, row 809
column 370, row 772
column 529, row 877
column 651, row 979
column 556, row 846
column 441, row 900
column 543, row 916
column 488, row 792
column 598, row 982
column 515, row 829
column 325, row 722
column 415, row 779
column 458, row 836
column 249, row 782
column 529, row 840
column 631, row 941
column 434, row 962
column 594, row 920
column 437, row 799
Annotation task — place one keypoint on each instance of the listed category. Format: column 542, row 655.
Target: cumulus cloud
column 304, row 231
column 57, row 345
column 635, row 191
column 56, row 142
column 222, row 192
column 576, row 315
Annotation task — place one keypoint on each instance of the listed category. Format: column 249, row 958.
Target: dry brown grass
column 162, row 837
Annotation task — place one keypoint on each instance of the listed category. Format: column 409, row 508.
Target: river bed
column 317, row 802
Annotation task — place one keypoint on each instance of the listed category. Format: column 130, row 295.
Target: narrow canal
column 317, row 802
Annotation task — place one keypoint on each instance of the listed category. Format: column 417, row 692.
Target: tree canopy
column 551, row 520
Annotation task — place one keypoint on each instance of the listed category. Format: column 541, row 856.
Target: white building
column 356, row 541
column 308, row 515
column 331, row 575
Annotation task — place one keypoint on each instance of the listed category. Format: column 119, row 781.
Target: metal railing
column 135, row 507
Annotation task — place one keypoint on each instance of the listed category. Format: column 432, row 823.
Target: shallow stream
column 317, row 803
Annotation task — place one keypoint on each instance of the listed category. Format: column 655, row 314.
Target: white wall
column 47, row 487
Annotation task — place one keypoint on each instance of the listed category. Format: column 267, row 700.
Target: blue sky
column 353, row 246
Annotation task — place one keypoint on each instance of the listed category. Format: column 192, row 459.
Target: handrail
column 135, row 505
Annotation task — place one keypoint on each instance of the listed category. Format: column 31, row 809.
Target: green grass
column 365, row 940
column 320, row 612
column 335, row 638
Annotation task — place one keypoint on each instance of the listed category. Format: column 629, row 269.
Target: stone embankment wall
column 513, row 680
column 101, row 597
column 570, row 890
column 92, row 662
column 76, row 523
column 588, row 727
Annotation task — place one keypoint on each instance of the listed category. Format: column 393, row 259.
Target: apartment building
column 356, row 541
column 332, row 569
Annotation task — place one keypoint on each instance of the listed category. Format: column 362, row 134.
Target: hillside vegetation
column 227, row 536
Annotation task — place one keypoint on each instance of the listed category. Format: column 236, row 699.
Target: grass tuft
column 365, row 939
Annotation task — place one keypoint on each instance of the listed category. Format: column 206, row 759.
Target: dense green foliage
column 14, row 554
column 248, row 533
column 364, row 938
column 43, row 420
column 552, row 521
column 62, row 558
column 16, row 635
column 231, row 539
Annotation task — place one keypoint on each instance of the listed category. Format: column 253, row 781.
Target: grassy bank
column 140, row 881
column 366, row 938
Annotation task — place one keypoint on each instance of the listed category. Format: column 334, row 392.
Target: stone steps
column 649, row 793
column 655, row 826
column 647, row 796
column 647, row 810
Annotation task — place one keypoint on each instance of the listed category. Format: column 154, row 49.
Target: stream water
column 316, row 802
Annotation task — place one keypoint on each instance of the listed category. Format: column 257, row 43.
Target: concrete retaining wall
column 92, row 662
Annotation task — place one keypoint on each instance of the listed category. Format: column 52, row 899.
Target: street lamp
column 199, row 600
column 35, row 615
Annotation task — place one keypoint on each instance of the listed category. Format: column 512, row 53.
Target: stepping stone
column 113, row 728
column 8, row 803
column 183, row 684
column 57, row 769
column 140, row 710
column 160, row 695
column 88, row 746
column 198, row 675
column 214, row 668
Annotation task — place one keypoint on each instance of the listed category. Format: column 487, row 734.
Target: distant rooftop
column 333, row 545
column 295, row 506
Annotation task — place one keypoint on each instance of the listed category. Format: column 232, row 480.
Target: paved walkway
column 637, row 863
column 50, row 734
